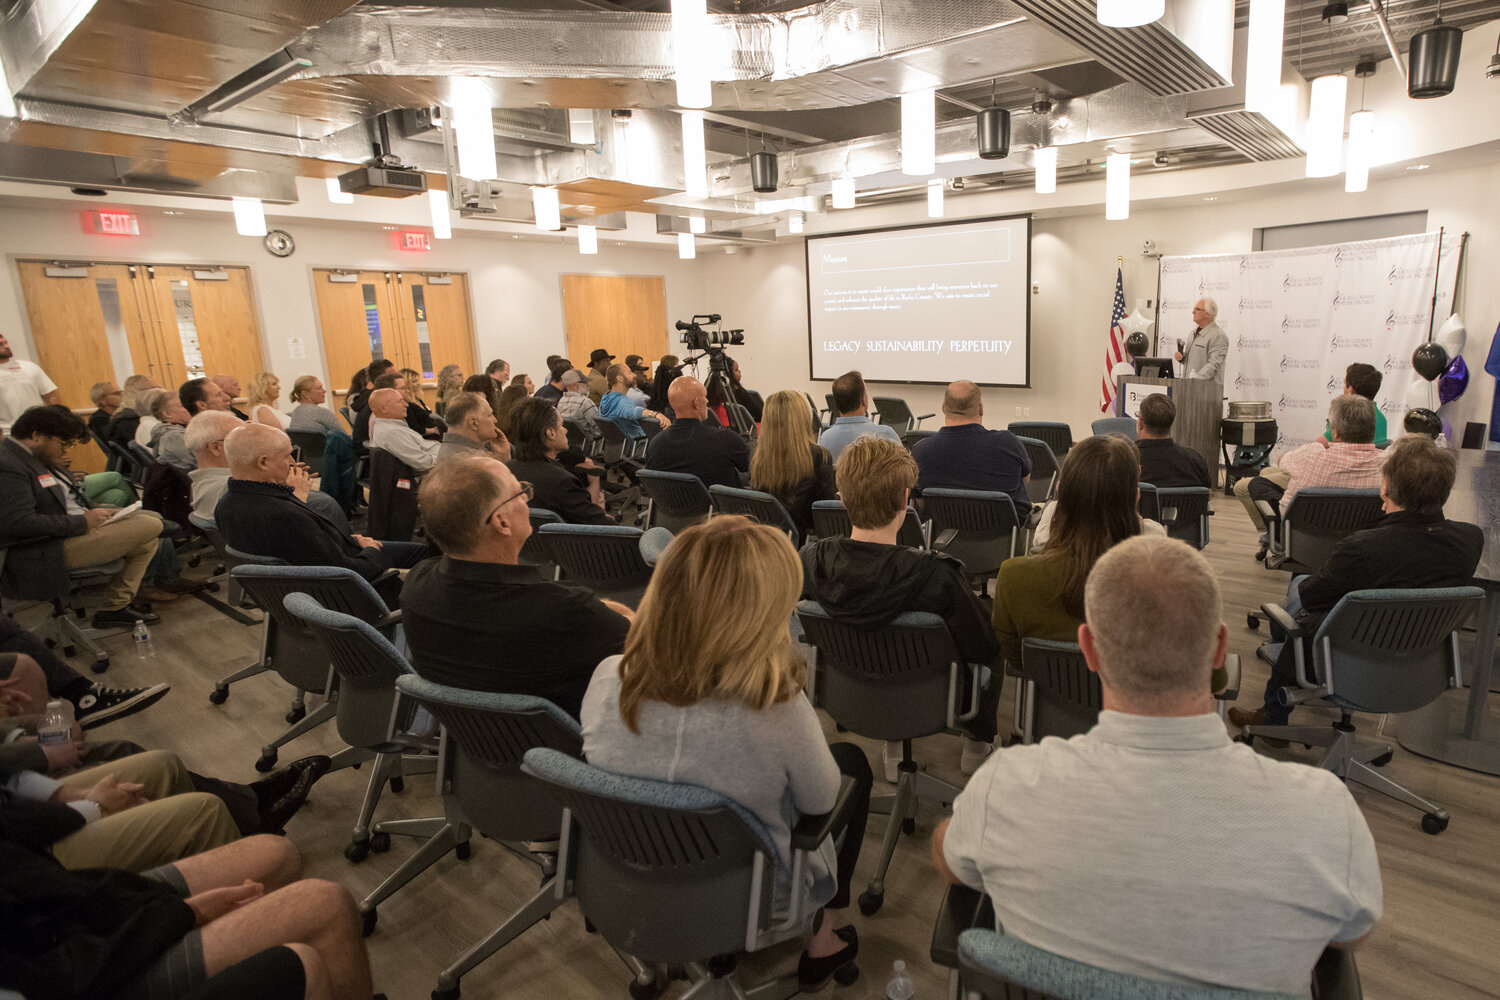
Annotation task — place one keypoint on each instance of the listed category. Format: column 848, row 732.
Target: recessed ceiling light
column 1419, row 166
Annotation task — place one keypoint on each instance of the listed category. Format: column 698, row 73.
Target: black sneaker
column 105, row 704
column 123, row 618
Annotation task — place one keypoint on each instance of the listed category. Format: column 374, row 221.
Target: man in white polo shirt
column 22, row 386
column 1152, row 845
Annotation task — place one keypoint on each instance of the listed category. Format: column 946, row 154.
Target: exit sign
column 414, row 240
column 109, row 223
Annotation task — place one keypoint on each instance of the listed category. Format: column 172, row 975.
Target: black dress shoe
column 273, row 819
column 813, row 973
column 123, row 618
column 275, row 791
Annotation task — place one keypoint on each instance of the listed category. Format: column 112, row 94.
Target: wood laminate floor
column 1440, row 937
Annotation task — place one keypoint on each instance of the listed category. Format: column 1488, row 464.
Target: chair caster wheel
column 588, row 926
column 847, row 975
column 212, row 588
column 267, row 762
column 50, row 643
column 357, row 851
column 367, row 921
column 1382, row 760
column 219, row 696
column 870, row 903
column 100, row 665
column 839, row 728
column 398, row 784
column 442, row 994
column 70, row 650
column 464, row 851
column 908, row 825
column 646, row 991
column 1252, row 623
column 295, row 715
column 1434, row 823
column 380, row 842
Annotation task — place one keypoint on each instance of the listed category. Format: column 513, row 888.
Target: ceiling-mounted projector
column 383, row 182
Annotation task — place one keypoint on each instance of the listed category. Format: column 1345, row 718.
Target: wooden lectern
column 1200, row 405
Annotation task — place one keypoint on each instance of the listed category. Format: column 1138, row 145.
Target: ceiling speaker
column 993, row 126
column 764, row 172
column 1434, row 61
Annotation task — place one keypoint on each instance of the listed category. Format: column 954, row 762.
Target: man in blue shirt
column 965, row 455
column 616, row 406
column 853, row 421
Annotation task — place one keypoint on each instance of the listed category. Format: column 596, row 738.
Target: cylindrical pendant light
column 1117, row 186
column 843, row 192
column 1129, row 13
column 687, row 246
column 935, row 199
column 337, row 195
column 588, row 239
column 992, row 125
column 1361, row 151
column 1324, row 140
column 689, row 41
column 694, row 155
column 1044, row 161
column 1263, row 55
column 764, row 172
column 474, row 128
column 918, row 132
column 249, row 217
column 546, row 209
column 437, row 204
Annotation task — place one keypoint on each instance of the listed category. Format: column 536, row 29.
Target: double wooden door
column 419, row 321
column 624, row 314
column 104, row 322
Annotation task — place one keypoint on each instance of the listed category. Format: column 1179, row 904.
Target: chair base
column 536, row 909
column 912, row 787
column 70, row 635
column 1353, row 759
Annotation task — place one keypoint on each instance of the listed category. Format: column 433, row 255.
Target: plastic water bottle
column 899, row 987
column 142, row 635
column 56, row 726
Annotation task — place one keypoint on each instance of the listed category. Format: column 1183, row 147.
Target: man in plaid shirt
column 574, row 403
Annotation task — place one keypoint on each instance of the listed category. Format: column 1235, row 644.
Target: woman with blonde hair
column 450, row 382
column 260, row 401
column 713, row 699
column 788, row 462
column 145, row 400
column 419, row 416
column 338, row 478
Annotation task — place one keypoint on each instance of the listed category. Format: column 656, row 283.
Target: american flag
column 1115, row 352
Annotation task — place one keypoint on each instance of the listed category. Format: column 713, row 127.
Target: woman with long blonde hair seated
column 419, row 416
column 260, row 401
column 709, row 692
column 788, row 462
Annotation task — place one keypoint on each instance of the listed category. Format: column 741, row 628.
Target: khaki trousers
column 1242, row 492
column 133, row 539
column 176, row 823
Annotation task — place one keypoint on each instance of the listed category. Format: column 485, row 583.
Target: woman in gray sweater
column 709, row 692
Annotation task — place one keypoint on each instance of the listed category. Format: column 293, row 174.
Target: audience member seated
column 49, row 526
column 125, row 421
column 450, row 381
column 358, row 393
column 169, row 933
column 230, row 386
column 716, row 455
column 524, row 381
column 1424, row 421
column 386, row 380
column 337, row 479
column 788, row 462
column 106, row 398
column 869, row 578
column 145, row 402
column 94, row 705
column 709, row 693
column 1411, row 546
column 1364, row 380
column 489, row 389
column 964, row 455
column 419, row 417
column 205, row 437
column 1225, row 868
column 199, row 394
column 852, row 420
column 537, row 437
column 668, row 370
column 265, row 392
column 577, row 404
column 390, row 432
column 476, row 619
column 748, row 398
column 639, row 391
column 618, row 406
column 472, row 430
column 598, row 381
column 1350, row 462
column 553, row 390
column 261, row 514
column 1164, row 463
column 1041, row 596
column 505, row 404
column 167, row 436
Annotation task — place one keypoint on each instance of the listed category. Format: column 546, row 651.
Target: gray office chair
column 606, row 558
column 676, row 874
column 677, row 500
column 831, row 518
column 370, row 716
column 234, row 597
column 310, row 446
column 897, row 415
column 485, row 737
column 1376, row 651
column 394, row 486
column 1115, row 425
column 1057, row 435
column 757, row 506
column 1044, row 470
column 1184, row 511
column 978, row 527
column 900, row 682
column 910, row 439
column 1317, row 519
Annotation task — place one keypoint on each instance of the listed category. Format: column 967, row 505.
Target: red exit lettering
column 111, row 223
column 414, row 241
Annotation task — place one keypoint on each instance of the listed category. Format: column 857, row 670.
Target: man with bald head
column 964, row 455
column 390, row 432
column 230, row 386
column 716, row 455
column 205, row 436
column 260, row 514
column 479, row 620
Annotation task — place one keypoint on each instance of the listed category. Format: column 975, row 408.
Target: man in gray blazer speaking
column 1204, row 352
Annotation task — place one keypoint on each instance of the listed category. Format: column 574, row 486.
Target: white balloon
column 1422, row 394
column 1452, row 335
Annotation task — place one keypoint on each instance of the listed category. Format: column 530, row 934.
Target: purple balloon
column 1454, row 381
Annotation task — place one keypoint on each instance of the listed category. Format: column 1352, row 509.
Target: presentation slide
column 925, row 304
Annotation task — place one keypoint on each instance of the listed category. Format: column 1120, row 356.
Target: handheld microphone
column 1179, row 345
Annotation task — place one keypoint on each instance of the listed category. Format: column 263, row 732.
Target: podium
column 1200, row 405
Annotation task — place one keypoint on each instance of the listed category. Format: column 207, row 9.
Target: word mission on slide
column 922, row 304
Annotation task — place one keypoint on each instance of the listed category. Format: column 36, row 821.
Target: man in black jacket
column 716, row 455
column 49, row 526
column 1166, row 464
column 260, row 514
column 869, row 579
column 1411, row 546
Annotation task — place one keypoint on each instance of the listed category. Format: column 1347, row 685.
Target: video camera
column 698, row 339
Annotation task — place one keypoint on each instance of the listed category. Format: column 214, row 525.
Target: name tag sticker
column 47, row 481
column 403, row 484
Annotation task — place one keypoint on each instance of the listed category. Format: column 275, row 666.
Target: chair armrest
column 1281, row 618
column 1336, row 977
column 962, row 908
column 811, row 831
column 1265, row 508
column 943, row 540
column 1231, row 689
column 925, row 416
column 389, row 621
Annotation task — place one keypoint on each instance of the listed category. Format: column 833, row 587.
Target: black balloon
column 1429, row 361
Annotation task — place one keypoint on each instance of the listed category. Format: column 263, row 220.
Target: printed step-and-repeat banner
column 1297, row 318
